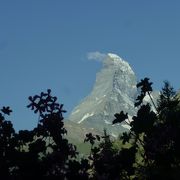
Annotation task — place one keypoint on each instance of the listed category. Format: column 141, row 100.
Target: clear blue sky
column 44, row 44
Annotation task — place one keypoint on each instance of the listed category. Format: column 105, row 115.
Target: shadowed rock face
column 114, row 91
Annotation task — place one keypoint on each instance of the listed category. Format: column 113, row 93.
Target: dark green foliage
column 120, row 117
column 90, row 138
column 150, row 150
column 110, row 163
column 43, row 151
column 144, row 120
column 145, row 87
column 167, row 102
column 125, row 137
column 156, row 135
column 6, row 110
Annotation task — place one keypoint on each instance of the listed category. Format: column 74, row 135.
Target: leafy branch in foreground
column 155, row 135
column 149, row 150
column 41, row 152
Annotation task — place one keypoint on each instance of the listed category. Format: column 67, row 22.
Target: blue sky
column 44, row 44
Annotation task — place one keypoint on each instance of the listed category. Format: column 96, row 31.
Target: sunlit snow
column 85, row 116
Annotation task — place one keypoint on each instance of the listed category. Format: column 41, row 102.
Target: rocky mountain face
column 114, row 91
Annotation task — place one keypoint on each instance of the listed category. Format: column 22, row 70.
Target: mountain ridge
column 114, row 90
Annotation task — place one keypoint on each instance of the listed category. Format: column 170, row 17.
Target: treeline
column 150, row 150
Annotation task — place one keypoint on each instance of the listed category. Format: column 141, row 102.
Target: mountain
column 114, row 91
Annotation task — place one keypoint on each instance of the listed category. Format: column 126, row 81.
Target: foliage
column 156, row 135
column 150, row 150
column 43, row 151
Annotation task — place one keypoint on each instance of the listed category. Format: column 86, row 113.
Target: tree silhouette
column 43, row 151
column 156, row 135
column 150, row 150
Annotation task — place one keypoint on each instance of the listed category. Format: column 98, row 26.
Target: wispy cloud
column 97, row 56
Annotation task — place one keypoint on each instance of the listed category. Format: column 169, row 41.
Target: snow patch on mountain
column 107, row 122
column 126, row 126
column 85, row 117
column 76, row 111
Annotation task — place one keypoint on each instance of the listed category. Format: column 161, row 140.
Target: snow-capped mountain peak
column 114, row 60
column 114, row 57
column 114, row 90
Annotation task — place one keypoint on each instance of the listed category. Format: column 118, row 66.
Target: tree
column 43, row 151
column 150, row 150
column 156, row 135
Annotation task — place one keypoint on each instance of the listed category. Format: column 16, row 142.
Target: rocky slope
column 114, row 91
